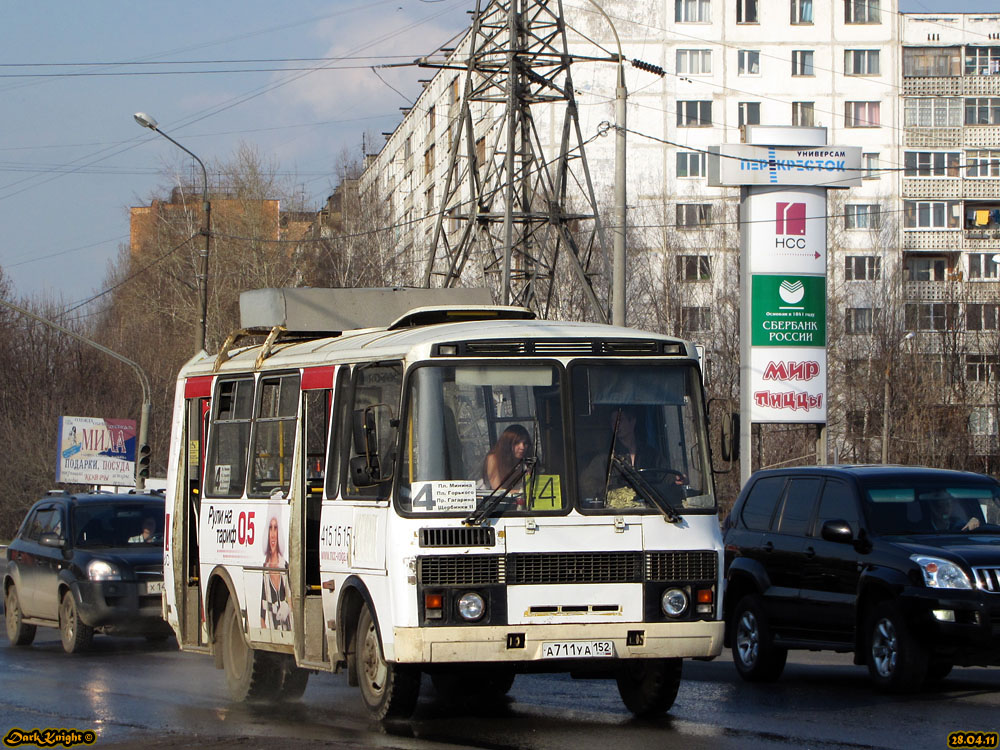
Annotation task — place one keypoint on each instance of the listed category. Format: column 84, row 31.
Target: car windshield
column 475, row 433
column 639, row 437
column 917, row 506
column 122, row 524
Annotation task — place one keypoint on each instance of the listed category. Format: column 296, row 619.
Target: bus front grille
column 460, row 570
column 462, row 536
column 682, row 566
column 574, row 567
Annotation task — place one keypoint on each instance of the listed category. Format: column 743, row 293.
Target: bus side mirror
column 365, row 466
column 730, row 436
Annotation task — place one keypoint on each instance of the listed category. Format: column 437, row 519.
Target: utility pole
column 505, row 214
column 143, row 436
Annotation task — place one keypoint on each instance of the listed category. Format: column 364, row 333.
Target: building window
column 982, row 368
column 692, row 11
column 429, row 201
column 982, row 61
column 861, row 216
column 983, row 266
column 858, row 320
column 983, row 420
column 693, row 215
column 746, row 11
column 930, row 316
column 931, row 163
column 429, row 161
column 696, row 319
column 982, row 111
column 748, row 62
column 804, row 114
column 694, row 268
column 694, row 62
column 749, row 113
column 932, row 112
column 431, row 120
column 862, row 11
column 861, row 62
column 802, row 11
column 982, row 164
column 931, row 62
column 694, row 114
column 802, row 62
column 932, row 215
column 455, row 91
column 982, row 316
column 408, row 147
column 869, row 163
column 862, row 268
column 691, row 164
column 924, row 269
column 861, row 114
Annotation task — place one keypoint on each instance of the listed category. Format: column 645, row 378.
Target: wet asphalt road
column 133, row 694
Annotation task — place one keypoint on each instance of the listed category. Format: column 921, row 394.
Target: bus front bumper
column 530, row 643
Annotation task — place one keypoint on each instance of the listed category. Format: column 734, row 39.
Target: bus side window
column 317, row 405
column 229, row 438
column 376, row 391
column 274, row 435
column 341, row 433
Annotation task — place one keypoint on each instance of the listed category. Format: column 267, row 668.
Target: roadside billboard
column 92, row 450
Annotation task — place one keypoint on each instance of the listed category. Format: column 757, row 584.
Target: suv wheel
column 897, row 663
column 756, row 657
column 76, row 636
column 18, row 633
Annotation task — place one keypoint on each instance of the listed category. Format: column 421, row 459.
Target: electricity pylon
column 506, row 200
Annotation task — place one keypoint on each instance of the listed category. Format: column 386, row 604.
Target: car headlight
column 941, row 574
column 674, row 602
column 471, row 606
column 102, row 570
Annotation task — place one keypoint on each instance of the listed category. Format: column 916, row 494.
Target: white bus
column 396, row 487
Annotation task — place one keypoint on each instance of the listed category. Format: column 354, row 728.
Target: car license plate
column 577, row 649
column 154, row 587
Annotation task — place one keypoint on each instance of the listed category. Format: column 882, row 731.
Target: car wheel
column 250, row 674
column 648, row 687
column 76, row 636
column 18, row 634
column 897, row 663
column 756, row 657
column 388, row 690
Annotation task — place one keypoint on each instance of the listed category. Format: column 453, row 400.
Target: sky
column 292, row 80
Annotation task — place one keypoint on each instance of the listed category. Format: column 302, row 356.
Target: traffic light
column 143, row 468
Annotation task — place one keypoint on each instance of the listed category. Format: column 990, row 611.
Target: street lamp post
column 885, row 396
column 618, row 248
column 201, row 334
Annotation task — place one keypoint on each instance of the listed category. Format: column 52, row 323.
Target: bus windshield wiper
column 492, row 500
column 638, row 483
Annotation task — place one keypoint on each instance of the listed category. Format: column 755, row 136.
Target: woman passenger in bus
column 274, row 593
column 513, row 445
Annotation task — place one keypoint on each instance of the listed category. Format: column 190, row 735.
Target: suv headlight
column 941, row 574
column 102, row 570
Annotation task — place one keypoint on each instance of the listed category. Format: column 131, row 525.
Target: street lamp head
column 909, row 336
column 145, row 120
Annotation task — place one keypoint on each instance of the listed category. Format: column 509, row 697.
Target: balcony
column 929, row 240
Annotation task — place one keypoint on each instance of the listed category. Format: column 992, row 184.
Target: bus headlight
column 674, row 602
column 471, row 606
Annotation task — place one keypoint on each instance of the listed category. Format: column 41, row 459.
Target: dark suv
column 85, row 563
column 900, row 565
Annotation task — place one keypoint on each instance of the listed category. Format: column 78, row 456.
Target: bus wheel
column 250, row 674
column 648, row 687
column 293, row 681
column 389, row 690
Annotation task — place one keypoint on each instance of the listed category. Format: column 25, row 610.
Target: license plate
column 577, row 649
column 154, row 587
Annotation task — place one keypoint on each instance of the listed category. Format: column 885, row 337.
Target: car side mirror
column 51, row 539
column 837, row 530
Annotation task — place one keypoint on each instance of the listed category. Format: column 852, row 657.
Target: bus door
column 317, row 410
column 197, row 403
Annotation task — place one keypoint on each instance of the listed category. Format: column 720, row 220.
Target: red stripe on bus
column 314, row 378
column 198, row 387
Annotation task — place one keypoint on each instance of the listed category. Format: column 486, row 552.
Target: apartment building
column 915, row 248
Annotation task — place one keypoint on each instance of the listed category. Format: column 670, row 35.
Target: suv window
column 759, row 505
column 799, row 502
column 47, row 519
column 837, row 503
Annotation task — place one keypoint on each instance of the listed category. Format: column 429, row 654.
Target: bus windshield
column 474, row 433
column 472, row 430
column 639, row 437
